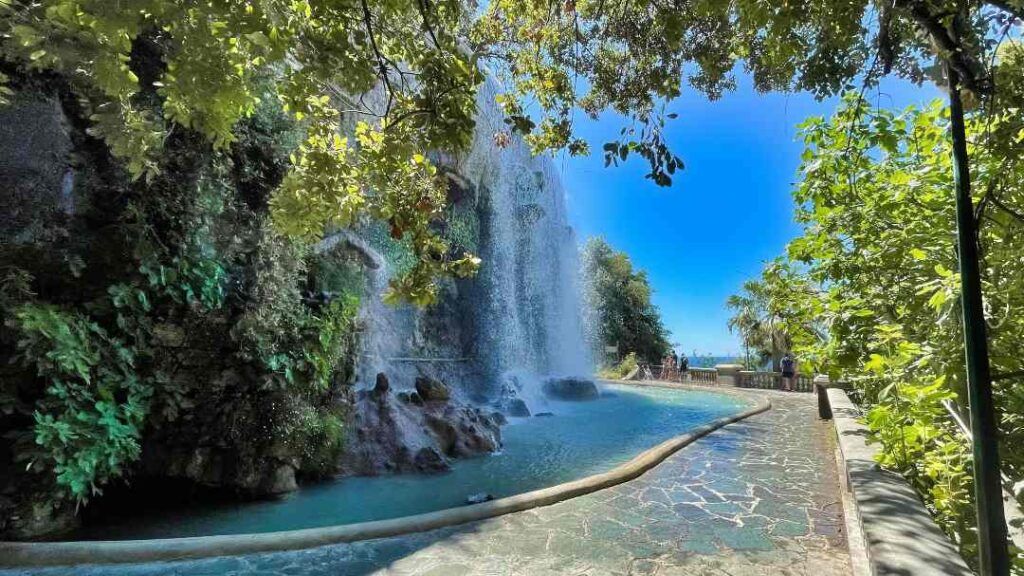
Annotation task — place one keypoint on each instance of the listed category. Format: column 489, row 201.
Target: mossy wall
column 160, row 328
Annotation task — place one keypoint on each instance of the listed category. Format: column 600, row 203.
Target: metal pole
column 994, row 556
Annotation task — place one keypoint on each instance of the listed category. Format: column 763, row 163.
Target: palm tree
column 761, row 326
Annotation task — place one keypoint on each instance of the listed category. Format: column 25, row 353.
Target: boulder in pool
column 431, row 390
column 280, row 481
column 571, row 389
column 430, row 459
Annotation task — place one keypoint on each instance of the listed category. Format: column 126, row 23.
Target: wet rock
column 542, row 414
column 571, row 389
column 403, row 397
column 209, row 462
column 32, row 519
column 36, row 175
column 432, row 390
column 381, row 388
column 517, row 408
column 498, row 418
column 399, row 437
column 479, row 498
column 445, row 432
column 430, row 460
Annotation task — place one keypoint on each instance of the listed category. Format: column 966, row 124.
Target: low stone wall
column 127, row 551
column 899, row 534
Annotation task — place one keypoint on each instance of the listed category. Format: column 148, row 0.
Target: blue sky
column 729, row 211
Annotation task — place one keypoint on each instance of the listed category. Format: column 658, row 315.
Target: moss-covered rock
column 241, row 366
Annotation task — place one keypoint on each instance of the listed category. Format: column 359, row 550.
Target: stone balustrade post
column 728, row 374
column 821, row 386
column 745, row 378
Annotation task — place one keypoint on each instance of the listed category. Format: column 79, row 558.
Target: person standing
column 684, row 368
column 788, row 372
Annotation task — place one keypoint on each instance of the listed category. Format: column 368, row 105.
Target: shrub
column 87, row 425
column 623, row 369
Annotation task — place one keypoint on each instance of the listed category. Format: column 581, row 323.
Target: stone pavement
column 759, row 497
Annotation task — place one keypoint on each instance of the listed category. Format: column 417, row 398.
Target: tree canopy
column 404, row 76
column 632, row 56
column 393, row 71
column 618, row 299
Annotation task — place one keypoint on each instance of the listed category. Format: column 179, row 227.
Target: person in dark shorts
column 684, row 368
column 788, row 372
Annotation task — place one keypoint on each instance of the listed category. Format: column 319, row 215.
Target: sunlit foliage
column 876, row 270
column 619, row 299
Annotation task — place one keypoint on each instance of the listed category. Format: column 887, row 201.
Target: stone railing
column 898, row 534
column 703, row 375
column 773, row 381
column 1011, row 507
column 725, row 375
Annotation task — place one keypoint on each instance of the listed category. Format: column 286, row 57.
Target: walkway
column 759, row 497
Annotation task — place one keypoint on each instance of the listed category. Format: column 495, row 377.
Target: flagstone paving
column 759, row 497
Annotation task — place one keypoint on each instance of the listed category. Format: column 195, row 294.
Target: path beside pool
column 758, row 497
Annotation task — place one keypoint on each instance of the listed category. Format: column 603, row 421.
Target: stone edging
column 14, row 554
column 900, row 537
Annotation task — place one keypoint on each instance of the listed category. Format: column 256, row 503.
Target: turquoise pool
column 580, row 439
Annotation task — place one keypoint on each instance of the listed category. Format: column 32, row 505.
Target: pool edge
column 37, row 554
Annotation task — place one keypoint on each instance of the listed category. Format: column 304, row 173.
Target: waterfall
column 519, row 320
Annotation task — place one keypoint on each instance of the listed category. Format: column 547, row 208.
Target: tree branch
column 1015, row 11
column 424, row 7
column 949, row 45
column 381, row 61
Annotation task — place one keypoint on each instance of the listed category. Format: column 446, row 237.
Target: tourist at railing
column 684, row 368
column 668, row 367
column 788, row 372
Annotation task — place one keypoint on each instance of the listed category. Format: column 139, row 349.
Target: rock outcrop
column 432, row 390
column 517, row 408
column 420, row 431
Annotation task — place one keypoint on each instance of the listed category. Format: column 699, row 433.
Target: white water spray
column 519, row 320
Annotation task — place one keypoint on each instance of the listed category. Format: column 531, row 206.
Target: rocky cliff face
column 200, row 354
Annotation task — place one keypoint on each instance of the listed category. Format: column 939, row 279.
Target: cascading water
column 531, row 315
column 519, row 320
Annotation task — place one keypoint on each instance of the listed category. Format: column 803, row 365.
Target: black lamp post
column 994, row 555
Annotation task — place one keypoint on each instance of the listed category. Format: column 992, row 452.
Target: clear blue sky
column 729, row 211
